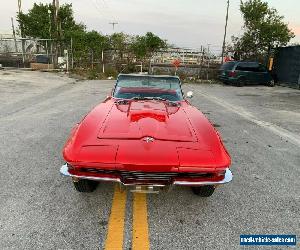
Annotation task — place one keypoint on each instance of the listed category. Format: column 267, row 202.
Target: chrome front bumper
column 228, row 177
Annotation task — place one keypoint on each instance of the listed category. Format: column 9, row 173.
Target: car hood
column 150, row 118
column 115, row 135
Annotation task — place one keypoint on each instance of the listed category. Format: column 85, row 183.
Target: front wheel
column 85, row 186
column 240, row 82
column 203, row 191
column 271, row 83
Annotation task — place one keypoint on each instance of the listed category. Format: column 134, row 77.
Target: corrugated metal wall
column 287, row 66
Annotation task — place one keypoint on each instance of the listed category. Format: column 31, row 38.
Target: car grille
column 133, row 176
column 128, row 176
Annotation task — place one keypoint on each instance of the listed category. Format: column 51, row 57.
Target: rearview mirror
column 189, row 94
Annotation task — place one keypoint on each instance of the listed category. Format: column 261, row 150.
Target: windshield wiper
column 173, row 103
column 122, row 101
column 149, row 98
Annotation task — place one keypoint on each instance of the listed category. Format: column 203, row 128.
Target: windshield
column 139, row 87
column 228, row 66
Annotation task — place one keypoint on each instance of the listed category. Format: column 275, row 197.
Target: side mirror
column 189, row 94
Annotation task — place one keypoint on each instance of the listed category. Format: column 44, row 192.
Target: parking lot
column 40, row 209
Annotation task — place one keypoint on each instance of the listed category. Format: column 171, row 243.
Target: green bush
column 92, row 74
column 111, row 72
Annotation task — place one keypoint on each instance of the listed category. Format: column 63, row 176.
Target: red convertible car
column 146, row 136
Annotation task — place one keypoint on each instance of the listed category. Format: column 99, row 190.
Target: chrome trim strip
column 228, row 177
column 64, row 171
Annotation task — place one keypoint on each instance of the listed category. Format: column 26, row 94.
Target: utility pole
column 55, row 4
column 201, row 61
column 14, row 34
column 208, row 58
column 102, row 59
column 56, row 17
column 72, row 55
column 225, row 33
column 113, row 24
column 49, row 15
column 22, row 33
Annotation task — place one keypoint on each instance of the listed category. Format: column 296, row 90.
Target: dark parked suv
column 243, row 73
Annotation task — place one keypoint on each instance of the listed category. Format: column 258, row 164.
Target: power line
column 97, row 8
column 100, row 9
column 103, row 9
column 105, row 4
column 95, row 3
column 108, row 12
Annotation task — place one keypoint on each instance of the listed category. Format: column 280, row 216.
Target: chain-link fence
column 25, row 52
column 51, row 54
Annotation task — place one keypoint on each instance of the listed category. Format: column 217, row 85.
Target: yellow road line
column 115, row 234
column 140, row 235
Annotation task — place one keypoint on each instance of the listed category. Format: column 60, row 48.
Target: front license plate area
column 145, row 189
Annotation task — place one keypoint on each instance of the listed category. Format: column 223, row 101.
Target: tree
column 264, row 29
column 95, row 42
column 87, row 46
column 119, row 43
column 145, row 46
column 139, row 46
column 36, row 23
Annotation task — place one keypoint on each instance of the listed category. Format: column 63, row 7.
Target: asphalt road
column 39, row 209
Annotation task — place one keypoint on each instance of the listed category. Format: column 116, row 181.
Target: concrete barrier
column 41, row 66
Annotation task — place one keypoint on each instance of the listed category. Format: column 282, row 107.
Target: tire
column 85, row 186
column 203, row 191
column 271, row 83
column 240, row 82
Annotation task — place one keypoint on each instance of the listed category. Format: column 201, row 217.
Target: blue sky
column 188, row 23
